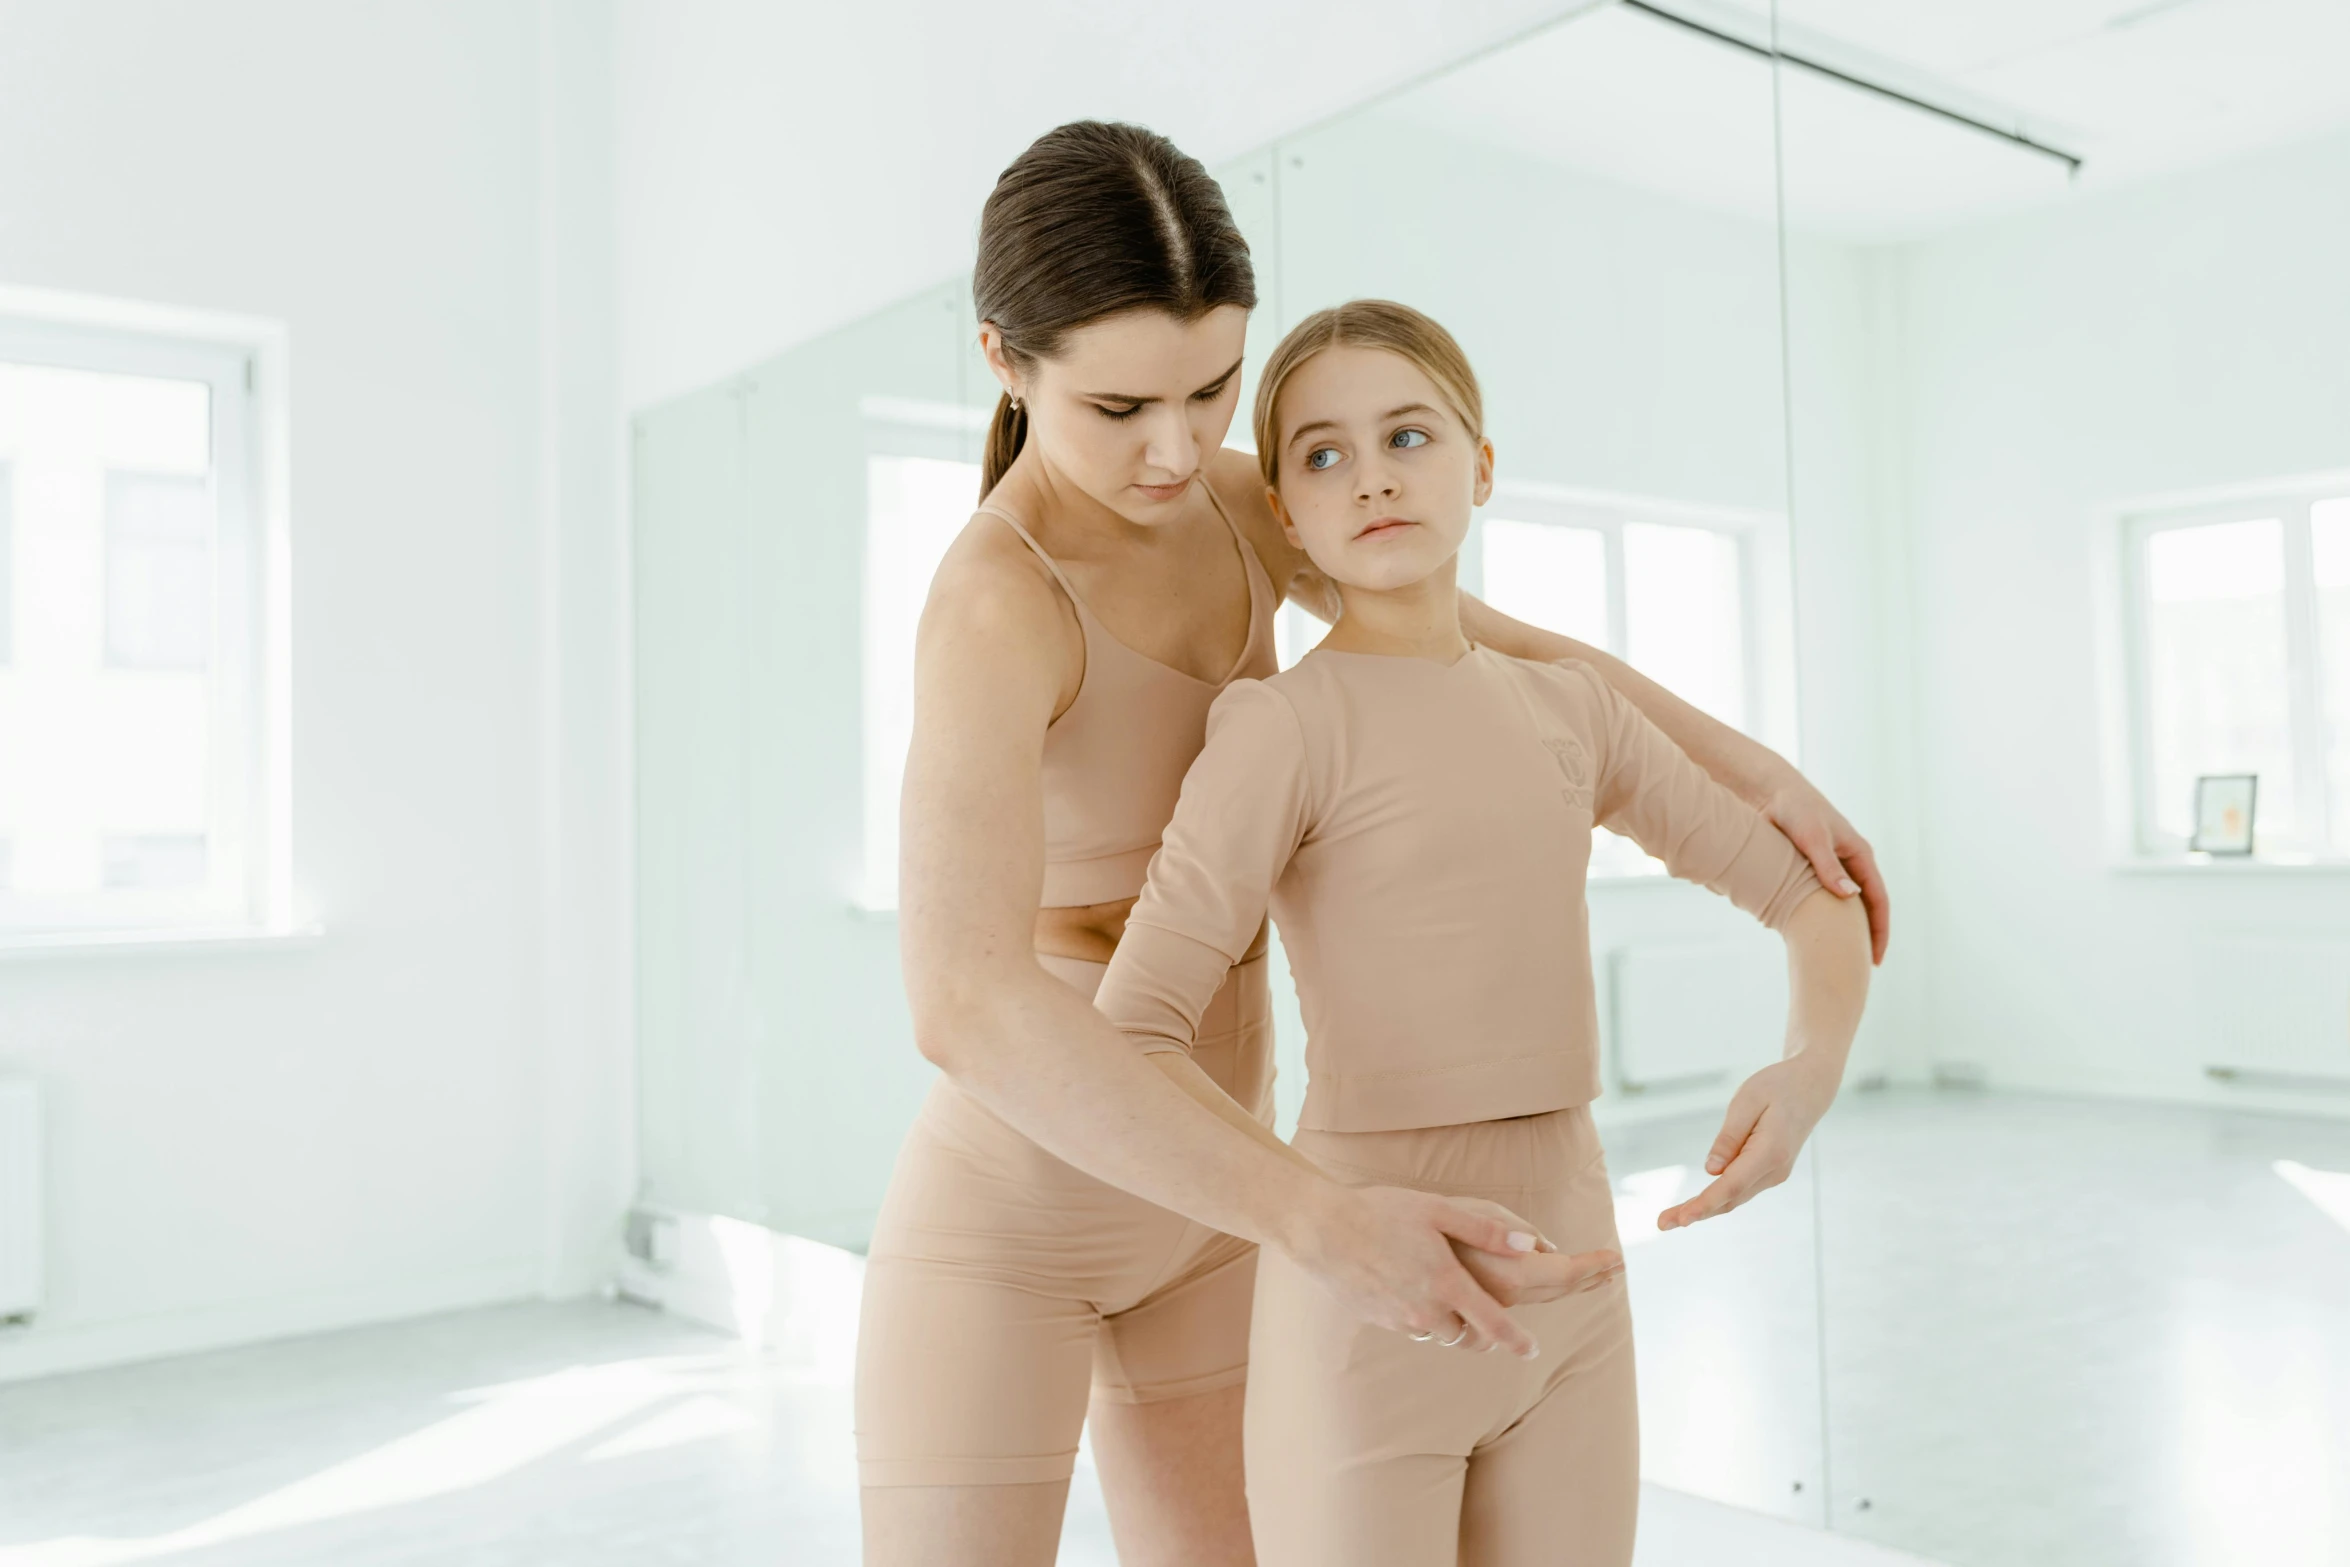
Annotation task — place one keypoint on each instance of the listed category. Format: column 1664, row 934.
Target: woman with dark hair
column 1071, row 1230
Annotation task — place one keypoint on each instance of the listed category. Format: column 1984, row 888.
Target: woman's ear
column 1281, row 516
column 1484, row 488
column 999, row 360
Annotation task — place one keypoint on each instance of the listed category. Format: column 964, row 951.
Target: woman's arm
column 1775, row 1110
column 988, row 675
column 1843, row 859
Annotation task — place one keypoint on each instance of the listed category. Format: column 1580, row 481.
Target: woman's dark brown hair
column 1092, row 220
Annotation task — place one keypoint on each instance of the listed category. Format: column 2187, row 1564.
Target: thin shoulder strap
column 1026, row 538
column 1250, row 564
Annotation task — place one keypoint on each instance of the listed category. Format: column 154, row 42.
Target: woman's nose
column 1172, row 448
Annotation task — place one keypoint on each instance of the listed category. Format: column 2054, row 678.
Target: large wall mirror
column 1840, row 413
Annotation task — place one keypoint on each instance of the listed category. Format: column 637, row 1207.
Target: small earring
column 1015, row 402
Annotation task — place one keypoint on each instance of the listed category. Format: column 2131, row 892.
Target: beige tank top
column 1114, row 760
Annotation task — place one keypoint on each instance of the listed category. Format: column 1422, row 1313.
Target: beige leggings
column 1365, row 1449
column 1005, row 1288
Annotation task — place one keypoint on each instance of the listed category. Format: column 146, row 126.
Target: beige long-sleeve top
column 1421, row 833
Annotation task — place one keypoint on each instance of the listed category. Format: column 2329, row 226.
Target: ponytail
column 1007, row 432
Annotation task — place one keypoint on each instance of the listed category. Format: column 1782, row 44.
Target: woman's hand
column 1839, row 855
column 1388, row 1254
column 1770, row 1116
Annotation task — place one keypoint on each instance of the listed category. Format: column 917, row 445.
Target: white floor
column 525, row 1436
column 2056, row 1333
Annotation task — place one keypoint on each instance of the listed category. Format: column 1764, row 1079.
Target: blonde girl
column 1416, row 811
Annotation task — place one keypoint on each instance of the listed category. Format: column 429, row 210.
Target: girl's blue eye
column 1408, row 438
column 1314, row 462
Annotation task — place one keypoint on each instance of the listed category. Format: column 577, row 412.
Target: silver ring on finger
column 1456, row 1338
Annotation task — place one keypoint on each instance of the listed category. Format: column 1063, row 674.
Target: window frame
column 2289, row 501
column 1766, row 604
column 241, row 362
column 1767, row 647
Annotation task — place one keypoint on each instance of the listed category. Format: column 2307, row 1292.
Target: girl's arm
column 988, row 676
column 1760, row 776
column 1246, row 806
column 1645, row 786
column 1774, row 1111
column 1846, row 864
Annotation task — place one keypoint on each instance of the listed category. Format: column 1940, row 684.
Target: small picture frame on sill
column 2224, row 804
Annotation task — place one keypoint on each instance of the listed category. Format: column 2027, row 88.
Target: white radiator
column 20, row 1197
column 2279, row 1007
column 1687, row 1013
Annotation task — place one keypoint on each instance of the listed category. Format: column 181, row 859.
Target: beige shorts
column 1005, row 1288
column 1366, row 1449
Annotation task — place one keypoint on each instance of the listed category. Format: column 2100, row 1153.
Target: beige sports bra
column 1114, row 760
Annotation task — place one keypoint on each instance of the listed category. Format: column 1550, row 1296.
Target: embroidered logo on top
column 1575, row 764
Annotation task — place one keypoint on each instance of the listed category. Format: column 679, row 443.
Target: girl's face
column 1378, row 476
column 1132, row 405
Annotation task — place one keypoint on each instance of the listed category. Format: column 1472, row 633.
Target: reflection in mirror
column 1591, row 211
column 2083, row 427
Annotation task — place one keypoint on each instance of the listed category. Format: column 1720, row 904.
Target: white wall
column 786, row 169
column 392, row 1118
column 2185, row 333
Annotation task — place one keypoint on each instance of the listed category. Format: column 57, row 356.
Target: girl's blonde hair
column 1366, row 323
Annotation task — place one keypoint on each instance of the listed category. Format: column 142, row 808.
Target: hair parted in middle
column 1366, row 323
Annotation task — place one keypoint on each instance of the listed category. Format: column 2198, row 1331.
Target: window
column 134, row 792
column 1674, row 591
column 2241, row 663
column 920, row 488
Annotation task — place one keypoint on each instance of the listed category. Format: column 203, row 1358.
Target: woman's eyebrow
column 1332, row 424
column 1138, row 400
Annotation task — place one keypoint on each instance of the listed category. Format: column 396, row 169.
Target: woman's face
column 1378, row 476
column 1132, row 405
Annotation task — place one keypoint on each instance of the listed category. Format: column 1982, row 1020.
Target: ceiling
column 2135, row 88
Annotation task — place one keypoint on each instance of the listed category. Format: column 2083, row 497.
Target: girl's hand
column 1771, row 1115
column 1527, row 1278
column 1549, row 1274
column 1839, row 855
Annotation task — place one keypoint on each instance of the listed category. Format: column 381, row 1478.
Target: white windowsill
column 133, row 943
column 2228, row 865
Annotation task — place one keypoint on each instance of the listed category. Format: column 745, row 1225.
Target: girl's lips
column 1164, row 492
column 1385, row 527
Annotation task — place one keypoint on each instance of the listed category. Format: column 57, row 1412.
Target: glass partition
column 2065, row 410
column 786, row 526
column 1591, row 211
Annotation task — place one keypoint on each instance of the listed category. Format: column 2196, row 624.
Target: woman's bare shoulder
column 995, row 600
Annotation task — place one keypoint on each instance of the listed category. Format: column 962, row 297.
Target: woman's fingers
column 1815, row 839
column 1484, row 1316
column 1488, row 1226
column 1861, row 860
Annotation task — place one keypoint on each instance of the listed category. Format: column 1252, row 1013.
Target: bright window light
column 2216, row 667
column 2329, row 548
column 1651, row 582
column 1684, row 607
column 1549, row 575
column 133, row 789
column 914, row 507
column 2241, row 664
